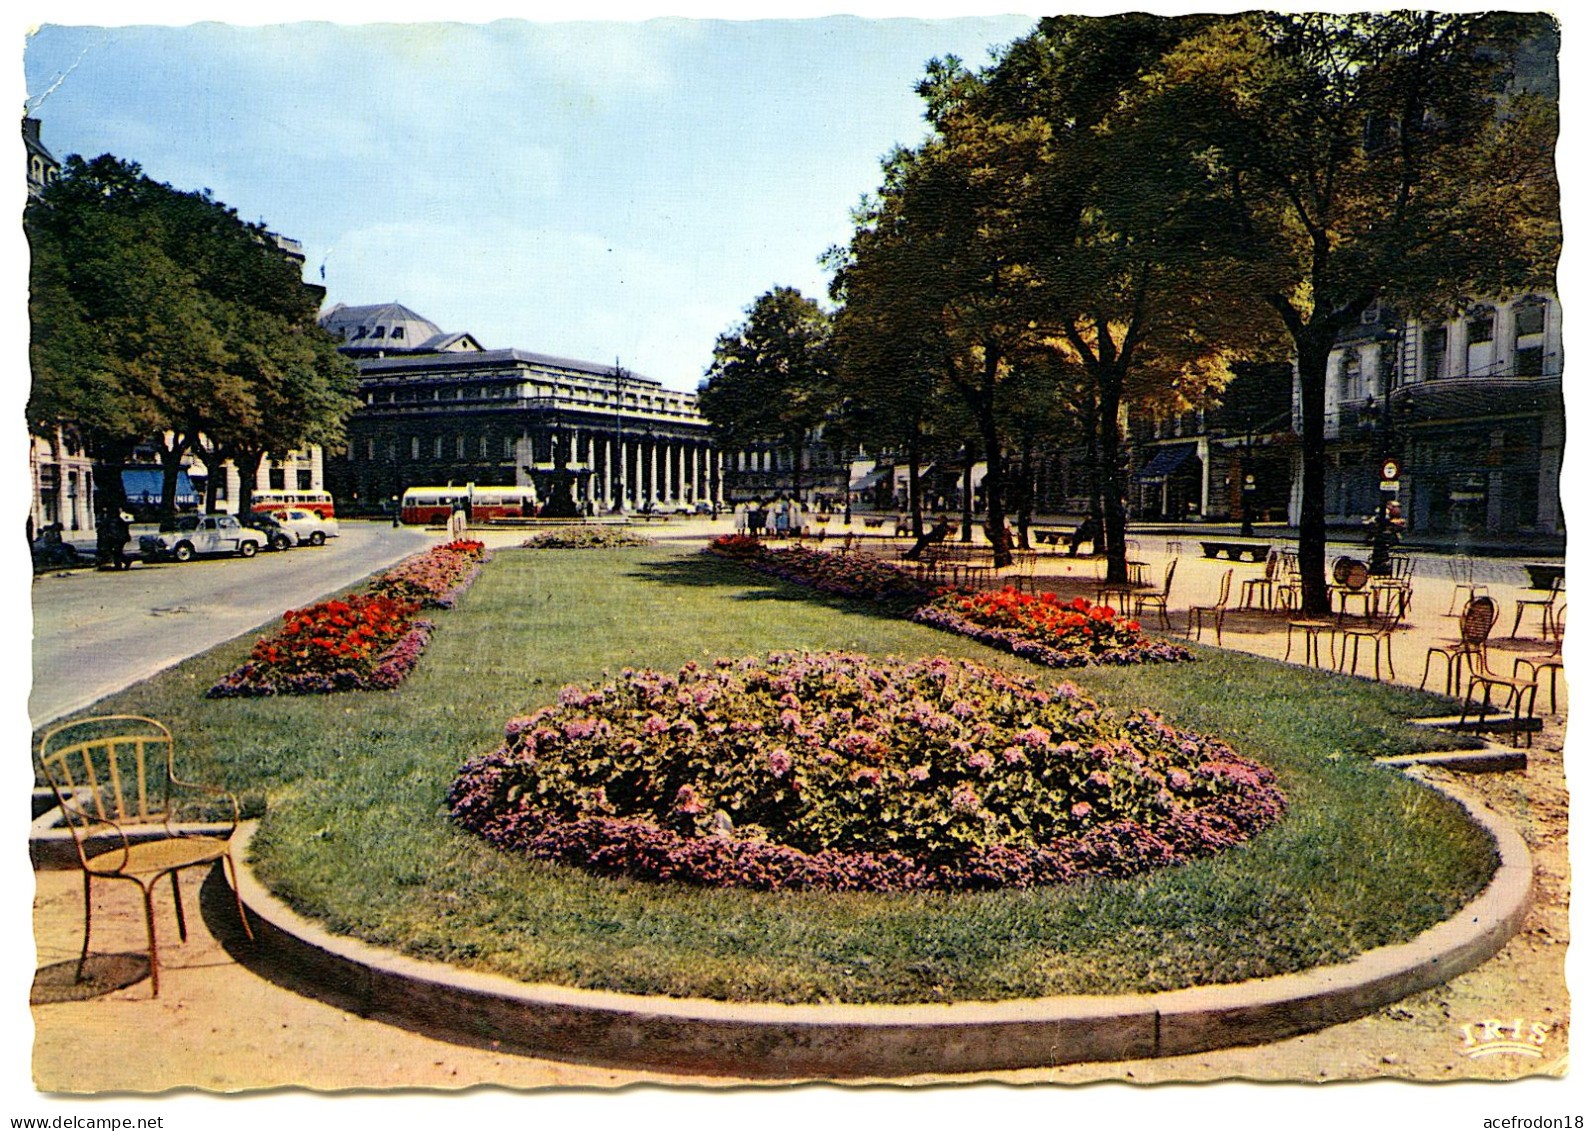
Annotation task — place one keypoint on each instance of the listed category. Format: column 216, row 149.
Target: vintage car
column 307, row 527
column 182, row 538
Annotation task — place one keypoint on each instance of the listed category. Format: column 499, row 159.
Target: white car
column 182, row 538
column 307, row 527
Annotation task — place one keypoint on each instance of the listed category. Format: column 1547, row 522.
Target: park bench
column 1236, row 551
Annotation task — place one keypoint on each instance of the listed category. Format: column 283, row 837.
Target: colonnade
column 635, row 473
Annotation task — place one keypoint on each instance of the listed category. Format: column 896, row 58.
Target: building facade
column 437, row 409
column 1470, row 409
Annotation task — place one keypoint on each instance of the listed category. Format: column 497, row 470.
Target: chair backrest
column 1271, row 569
column 110, row 768
column 1167, row 578
column 1223, row 588
column 1477, row 620
column 1558, row 625
column 1342, row 569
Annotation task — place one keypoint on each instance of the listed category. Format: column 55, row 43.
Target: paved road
column 95, row 633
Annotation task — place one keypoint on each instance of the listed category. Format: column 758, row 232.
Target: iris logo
column 1493, row 1037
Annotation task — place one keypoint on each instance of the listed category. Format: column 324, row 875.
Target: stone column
column 593, row 493
column 653, row 472
column 719, row 478
column 608, row 474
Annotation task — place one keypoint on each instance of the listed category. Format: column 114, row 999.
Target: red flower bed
column 1045, row 628
column 331, row 646
column 366, row 642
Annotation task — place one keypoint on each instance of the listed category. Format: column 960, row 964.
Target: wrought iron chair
column 1251, row 586
column 1545, row 605
column 1159, row 600
column 1515, row 691
column 115, row 780
column 1551, row 663
column 1477, row 621
column 1380, row 630
column 1217, row 609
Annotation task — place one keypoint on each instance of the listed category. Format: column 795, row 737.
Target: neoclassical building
column 439, row 409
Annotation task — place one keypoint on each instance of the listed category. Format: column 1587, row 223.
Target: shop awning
column 1164, row 462
column 142, row 486
column 867, row 481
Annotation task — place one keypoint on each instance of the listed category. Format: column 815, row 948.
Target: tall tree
column 770, row 381
column 1356, row 158
column 159, row 315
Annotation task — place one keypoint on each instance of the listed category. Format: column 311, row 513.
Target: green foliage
column 771, row 380
column 157, row 311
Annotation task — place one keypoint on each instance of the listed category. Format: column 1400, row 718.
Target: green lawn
column 355, row 834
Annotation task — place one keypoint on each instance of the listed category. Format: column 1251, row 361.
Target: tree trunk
column 1026, row 491
column 248, row 465
column 1112, row 495
column 915, row 496
column 1312, row 349
column 995, row 473
column 110, row 495
column 171, row 466
column 967, row 534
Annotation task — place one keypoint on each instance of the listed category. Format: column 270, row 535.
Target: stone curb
column 833, row 1041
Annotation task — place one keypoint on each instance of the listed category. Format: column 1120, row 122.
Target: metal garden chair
column 115, row 780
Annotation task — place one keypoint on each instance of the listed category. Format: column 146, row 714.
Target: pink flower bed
column 837, row 772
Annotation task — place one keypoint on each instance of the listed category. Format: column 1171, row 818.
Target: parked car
column 277, row 536
column 307, row 527
column 182, row 538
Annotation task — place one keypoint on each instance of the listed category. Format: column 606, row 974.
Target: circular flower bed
column 585, row 538
column 838, row 772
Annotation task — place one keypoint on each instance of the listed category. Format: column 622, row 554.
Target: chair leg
column 1217, row 618
column 177, row 902
column 237, row 896
column 88, row 922
column 154, row 949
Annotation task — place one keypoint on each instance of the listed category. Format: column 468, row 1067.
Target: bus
column 318, row 501
column 432, row 505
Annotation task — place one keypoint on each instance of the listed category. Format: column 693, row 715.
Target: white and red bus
column 318, row 501
column 433, row 505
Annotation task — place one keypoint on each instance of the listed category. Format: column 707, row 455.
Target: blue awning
column 142, row 486
column 1164, row 462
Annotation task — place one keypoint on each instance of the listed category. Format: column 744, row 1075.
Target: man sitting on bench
column 1084, row 532
column 937, row 533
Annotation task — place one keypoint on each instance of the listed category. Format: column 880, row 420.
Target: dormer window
column 398, row 332
column 377, row 332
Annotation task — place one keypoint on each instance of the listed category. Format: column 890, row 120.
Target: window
column 1480, row 325
column 1434, row 343
column 437, row 447
column 302, row 479
column 459, row 447
column 1530, row 361
column 1350, row 375
column 1530, row 317
column 398, row 332
column 415, row 447
column 377, row 331
column 370, row 450
column 483, row 446
column 509, row 447
column 276, row 480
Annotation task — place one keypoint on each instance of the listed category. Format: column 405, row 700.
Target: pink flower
column 919, row 773
column 965, row 800
column 779, row 762
column 1099, row 779
column 980, row 761
column 687, row 800
column 1081, row 810
column 1013, row 755
column 655, row 724
column 1034, row 737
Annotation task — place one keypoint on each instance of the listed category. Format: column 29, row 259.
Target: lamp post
column 1386, row 526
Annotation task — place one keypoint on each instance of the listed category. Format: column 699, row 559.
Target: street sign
column 1391, row 469
column 1250, row 483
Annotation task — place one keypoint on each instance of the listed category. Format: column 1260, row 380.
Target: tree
column 1358, row 158
column 770, row 381
column 159, row 316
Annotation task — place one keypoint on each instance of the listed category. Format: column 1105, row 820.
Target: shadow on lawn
column 702, row 571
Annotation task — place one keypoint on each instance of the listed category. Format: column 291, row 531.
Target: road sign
column 1391, row 469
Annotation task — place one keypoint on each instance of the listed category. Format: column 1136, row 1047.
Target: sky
column 601, row 190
